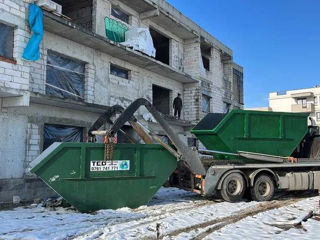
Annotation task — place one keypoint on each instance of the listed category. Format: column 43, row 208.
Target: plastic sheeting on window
column 6, row 41
column 61, row 133
column 65, row 77
column 140, row 39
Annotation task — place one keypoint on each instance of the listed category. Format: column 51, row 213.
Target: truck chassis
column 258, row 181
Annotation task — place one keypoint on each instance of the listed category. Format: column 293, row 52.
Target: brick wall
column 15, row 76
column 185, row 57
column 176, row 54
column 227, row 81
column 33, row 145
column 89, row 83
column 38, row 72
column 235, row 103
column 192, row 101
column 217, row 81
column 192, row 58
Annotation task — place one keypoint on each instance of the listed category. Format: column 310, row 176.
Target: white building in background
column 299, row 100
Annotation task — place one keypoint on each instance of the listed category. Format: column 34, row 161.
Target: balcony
column 76, row 33
column 299, row 108
column 302, row 95
column 168, row 17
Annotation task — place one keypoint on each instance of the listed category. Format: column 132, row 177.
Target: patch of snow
column 41, row 223
column 170, row 217
column 275, row 224
column 172, row 213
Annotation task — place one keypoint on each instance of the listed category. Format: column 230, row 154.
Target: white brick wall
column 191, row 101
column 139, row 85
column 89, row 83
column 33, row 145
column 176, row 54
column 15, row 76
column 228, row 84
column 182, row 57
column 217, row 81
column 240, row 69
column 192, row 56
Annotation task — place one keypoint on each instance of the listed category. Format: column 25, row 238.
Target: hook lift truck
column 246, row 152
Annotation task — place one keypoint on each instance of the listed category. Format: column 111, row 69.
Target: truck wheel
column 263, row 188
column 233, row 187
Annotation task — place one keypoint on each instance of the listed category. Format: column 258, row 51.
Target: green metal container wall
column 273, row 133
column 65, row 167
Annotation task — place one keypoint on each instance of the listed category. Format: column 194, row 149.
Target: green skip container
column 78, row 173
column 272, row 133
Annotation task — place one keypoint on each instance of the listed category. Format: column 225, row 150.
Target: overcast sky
column 276, row 41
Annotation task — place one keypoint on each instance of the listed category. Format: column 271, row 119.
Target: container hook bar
column 188, row 155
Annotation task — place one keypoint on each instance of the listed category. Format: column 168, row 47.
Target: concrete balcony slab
column 71, row 31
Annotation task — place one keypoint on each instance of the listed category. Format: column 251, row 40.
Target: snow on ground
column 172, row 214
column 279, row 223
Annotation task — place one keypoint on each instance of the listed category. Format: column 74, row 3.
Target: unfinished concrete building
column 81, row 71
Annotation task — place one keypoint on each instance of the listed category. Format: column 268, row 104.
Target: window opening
column 238, row 86
column 6, row 41
column 161, row 44
column 302, row 102
column 119, row 72
column 205, row 103
column 206, row 55
column 80, row 12
column 119, row 14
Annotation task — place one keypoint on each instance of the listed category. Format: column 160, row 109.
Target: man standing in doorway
column 177, row 106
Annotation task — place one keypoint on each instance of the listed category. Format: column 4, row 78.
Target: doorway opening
column 161, row 99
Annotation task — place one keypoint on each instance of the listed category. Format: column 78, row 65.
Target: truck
column 244, row 153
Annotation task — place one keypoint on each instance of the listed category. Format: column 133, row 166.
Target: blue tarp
column 32, row 50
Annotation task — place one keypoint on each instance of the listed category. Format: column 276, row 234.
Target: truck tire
column 263, row 188
column 233, row 188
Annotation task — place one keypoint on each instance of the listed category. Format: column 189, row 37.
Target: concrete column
column 101, row 9
column 191, row 101
column 33, row 145
column 192, row 57
column 89, row 83
column 176, row 54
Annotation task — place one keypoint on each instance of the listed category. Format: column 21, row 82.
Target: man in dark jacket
column 177, row 106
